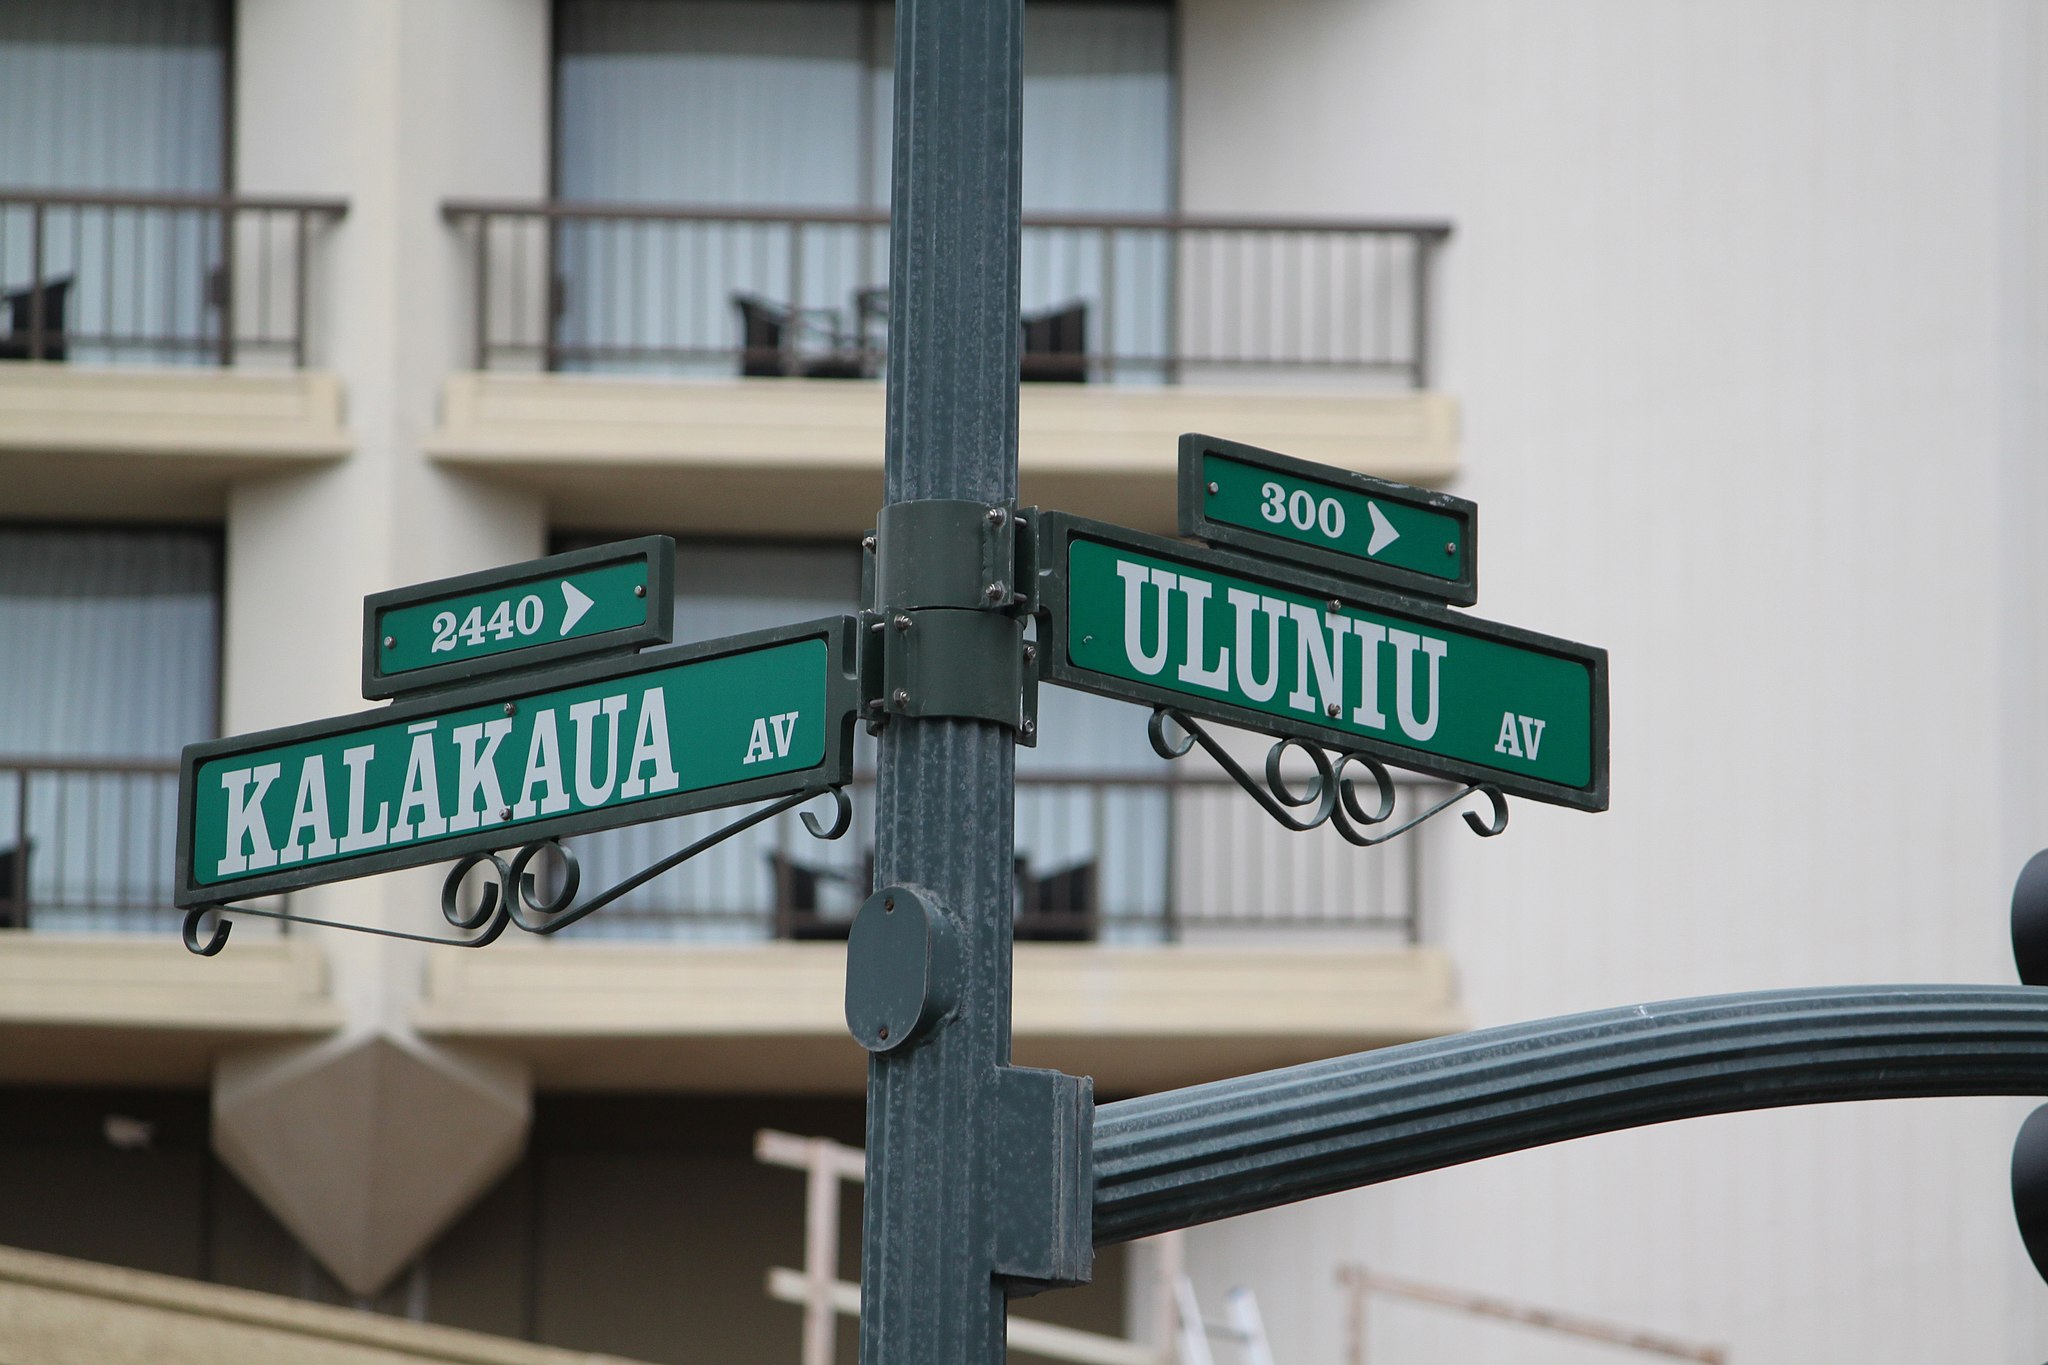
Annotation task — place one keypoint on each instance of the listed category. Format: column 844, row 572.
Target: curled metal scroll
column 523, row 903
column 1331, row 796
column 538, row 914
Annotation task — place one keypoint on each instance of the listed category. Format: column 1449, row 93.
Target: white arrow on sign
column 578, row 603
column 1383, row 532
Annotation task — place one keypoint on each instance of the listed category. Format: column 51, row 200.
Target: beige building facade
column 1732, row 319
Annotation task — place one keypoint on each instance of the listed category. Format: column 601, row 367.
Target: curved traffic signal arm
column 1213, row 1151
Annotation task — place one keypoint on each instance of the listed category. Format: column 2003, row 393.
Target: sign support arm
column 1214, row 1151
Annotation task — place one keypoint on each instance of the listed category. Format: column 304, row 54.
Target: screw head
column 504, row 812
column 902, row 622
column 1336, row 605
column 867, row 542
column 1030, row 726
column 390, row 642
column 902, row 697
column 883, row 1033
column 997, row 516
column 639, row 590
column 1333, row 710
column 511, row 708
column 1030, row 652
column 1213, row 488
column 888, row 904
column 995, row 592
column 1450, row 547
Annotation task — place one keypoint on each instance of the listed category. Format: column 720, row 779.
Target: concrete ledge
column 804, row 457
column 126, row 1010
column 156, row 442
column 767, row 1018
column 58, row 1311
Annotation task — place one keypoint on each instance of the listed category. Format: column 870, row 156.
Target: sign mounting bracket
column 949, row 613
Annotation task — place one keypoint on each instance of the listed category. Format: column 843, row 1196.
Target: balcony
column 702, row 368
column 1167, row 934
column 163, row 345
column 786, row 293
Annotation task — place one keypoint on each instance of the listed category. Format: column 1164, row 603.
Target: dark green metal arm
column 1213, row 1151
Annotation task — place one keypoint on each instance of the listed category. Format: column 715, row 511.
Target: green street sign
column 584, row 747
column 603, row 600
column 1414, row 539
column 1251, row 643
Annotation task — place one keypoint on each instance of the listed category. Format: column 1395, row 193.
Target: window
column 109, row 661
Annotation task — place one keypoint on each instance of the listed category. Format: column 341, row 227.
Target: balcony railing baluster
column 1100, row 857
column 1154, row 306
column 170, row 296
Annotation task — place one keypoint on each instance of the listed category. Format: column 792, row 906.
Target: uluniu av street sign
column 1280, row 650
column 584, row 747
column 1353, row 525
column 607, row 599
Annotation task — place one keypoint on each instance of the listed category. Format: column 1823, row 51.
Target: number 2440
column 505, row 622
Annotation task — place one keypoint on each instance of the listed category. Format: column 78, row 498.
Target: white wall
column 1745, row 311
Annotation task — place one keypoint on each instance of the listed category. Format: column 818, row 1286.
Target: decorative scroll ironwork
column 1331, row 796
column 523, row 905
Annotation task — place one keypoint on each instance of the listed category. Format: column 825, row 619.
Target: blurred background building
column 1732, row 317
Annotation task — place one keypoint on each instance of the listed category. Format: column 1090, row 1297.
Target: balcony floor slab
column 156, row 443
column 768, row 1018
column 142, row 1011
column 804, row 457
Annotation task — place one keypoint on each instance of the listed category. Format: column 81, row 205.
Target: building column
column 368, row 1145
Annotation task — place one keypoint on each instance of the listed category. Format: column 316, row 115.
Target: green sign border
column 1054, row 530
column 1195, row 522
column 842, row 707
column 657, row 629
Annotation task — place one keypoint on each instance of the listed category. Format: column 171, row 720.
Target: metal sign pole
column 945, row 789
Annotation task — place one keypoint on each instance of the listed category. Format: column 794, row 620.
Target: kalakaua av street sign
column 1353, row 525
column 1280, row 650
column 604, row 600
column 583, row 747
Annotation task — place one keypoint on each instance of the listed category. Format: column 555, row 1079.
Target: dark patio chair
column 1056, row 345
column 797, row 912
column 768, row 337
column 18, row 342
column 1058, row 907
column 14, row 887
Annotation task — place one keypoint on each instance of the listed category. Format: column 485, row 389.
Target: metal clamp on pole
column 949, row 614
column 1045, row 1200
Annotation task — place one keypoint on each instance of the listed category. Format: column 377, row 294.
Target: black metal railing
column 1108, row 859
column 775, row 292
column 88, row 845
column 157, row 278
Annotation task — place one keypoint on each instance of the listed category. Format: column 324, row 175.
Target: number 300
column 1302, row 509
